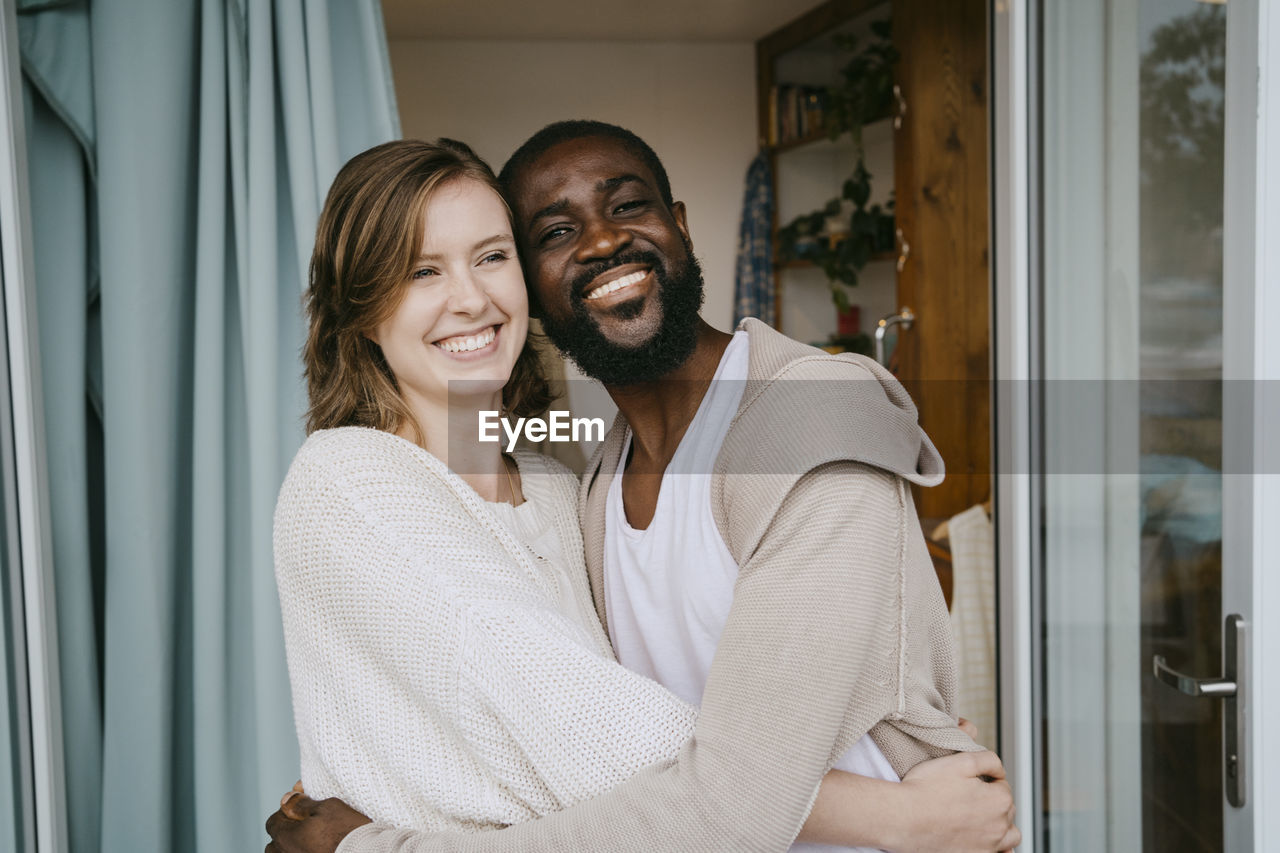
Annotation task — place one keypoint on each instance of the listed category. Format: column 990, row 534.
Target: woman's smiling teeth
column 467, row 343
column 617, row 284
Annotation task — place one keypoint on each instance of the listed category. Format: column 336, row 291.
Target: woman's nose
column 467, row 296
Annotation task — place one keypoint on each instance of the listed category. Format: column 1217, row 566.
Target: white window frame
column 1011, row 135
column 1251, row 352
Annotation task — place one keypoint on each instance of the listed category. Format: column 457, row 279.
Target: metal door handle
column 1228, row 688
column 902, row 106
column 903, row 318
column 1191, row 686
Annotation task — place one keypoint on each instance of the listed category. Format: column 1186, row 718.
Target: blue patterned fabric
column 753, row 275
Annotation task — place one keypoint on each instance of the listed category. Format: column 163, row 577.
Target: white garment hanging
column 973, row 618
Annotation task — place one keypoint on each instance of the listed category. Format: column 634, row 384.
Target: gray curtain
column 179, row 153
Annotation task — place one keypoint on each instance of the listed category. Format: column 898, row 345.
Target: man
column 795, row 560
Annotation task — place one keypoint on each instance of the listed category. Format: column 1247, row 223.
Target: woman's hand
column 950, row 806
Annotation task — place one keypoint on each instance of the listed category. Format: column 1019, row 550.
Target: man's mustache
column 596, row 268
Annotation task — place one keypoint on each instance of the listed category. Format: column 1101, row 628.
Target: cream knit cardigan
column 437, row 681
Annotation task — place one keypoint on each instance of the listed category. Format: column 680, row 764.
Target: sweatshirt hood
column 841, row 407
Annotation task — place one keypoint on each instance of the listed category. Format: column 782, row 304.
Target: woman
column 448, row 670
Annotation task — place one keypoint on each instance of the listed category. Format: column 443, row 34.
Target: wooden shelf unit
column 811, row 156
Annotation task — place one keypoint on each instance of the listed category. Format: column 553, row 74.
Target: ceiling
column 612, row 20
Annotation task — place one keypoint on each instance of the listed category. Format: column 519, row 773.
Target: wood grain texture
column 941, row 189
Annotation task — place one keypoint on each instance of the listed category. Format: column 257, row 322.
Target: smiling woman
column 414, row 283
column 462, row 319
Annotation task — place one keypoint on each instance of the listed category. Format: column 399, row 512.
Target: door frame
column 1251, row 354
column 1015, row 359
column 1251, row 313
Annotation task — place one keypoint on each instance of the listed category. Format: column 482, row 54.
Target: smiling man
column 751, row 542
column 620, row 297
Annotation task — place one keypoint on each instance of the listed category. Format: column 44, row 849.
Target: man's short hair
column 563, row 131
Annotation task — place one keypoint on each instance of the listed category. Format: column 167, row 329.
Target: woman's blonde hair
column 367, row 242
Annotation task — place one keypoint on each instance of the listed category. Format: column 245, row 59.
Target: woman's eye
column 423, row 273
column 494, row 257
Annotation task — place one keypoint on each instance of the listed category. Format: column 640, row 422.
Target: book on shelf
column 795, row 112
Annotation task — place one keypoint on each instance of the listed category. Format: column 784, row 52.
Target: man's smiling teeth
column 467, row 343
column 617, row 284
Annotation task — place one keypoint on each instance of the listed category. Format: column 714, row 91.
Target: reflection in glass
column 1132, row 244
column 1182, row 74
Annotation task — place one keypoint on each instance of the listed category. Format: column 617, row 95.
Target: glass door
column 1138, row 750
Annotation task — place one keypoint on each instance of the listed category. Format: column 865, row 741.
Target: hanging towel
column 753, row 276
column 973, row 619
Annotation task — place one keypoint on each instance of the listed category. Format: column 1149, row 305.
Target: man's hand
column 955, row 809
column 303, row 825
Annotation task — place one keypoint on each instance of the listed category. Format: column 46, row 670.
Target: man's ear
column 682, row 221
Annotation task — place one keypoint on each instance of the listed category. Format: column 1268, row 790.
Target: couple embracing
column 728, row 637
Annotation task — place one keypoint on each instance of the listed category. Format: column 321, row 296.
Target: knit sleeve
column 372, row 640
column 814, row 621
column 554, row 721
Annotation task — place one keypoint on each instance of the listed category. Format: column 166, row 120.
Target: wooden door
column 940, row 185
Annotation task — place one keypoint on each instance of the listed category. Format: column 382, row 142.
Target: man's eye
column 553, row 233
column 628, row 206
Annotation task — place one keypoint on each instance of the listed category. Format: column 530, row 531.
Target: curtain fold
column 60, row 184
column 174, row 209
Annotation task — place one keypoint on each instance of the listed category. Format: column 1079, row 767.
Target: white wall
column 694, row 102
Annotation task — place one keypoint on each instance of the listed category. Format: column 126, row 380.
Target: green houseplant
column 842, row 236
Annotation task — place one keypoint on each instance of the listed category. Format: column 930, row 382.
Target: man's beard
column 680, row 297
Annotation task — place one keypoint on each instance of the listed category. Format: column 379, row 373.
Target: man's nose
column 602, row 239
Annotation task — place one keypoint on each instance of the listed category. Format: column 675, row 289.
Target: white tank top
column 668, row 587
